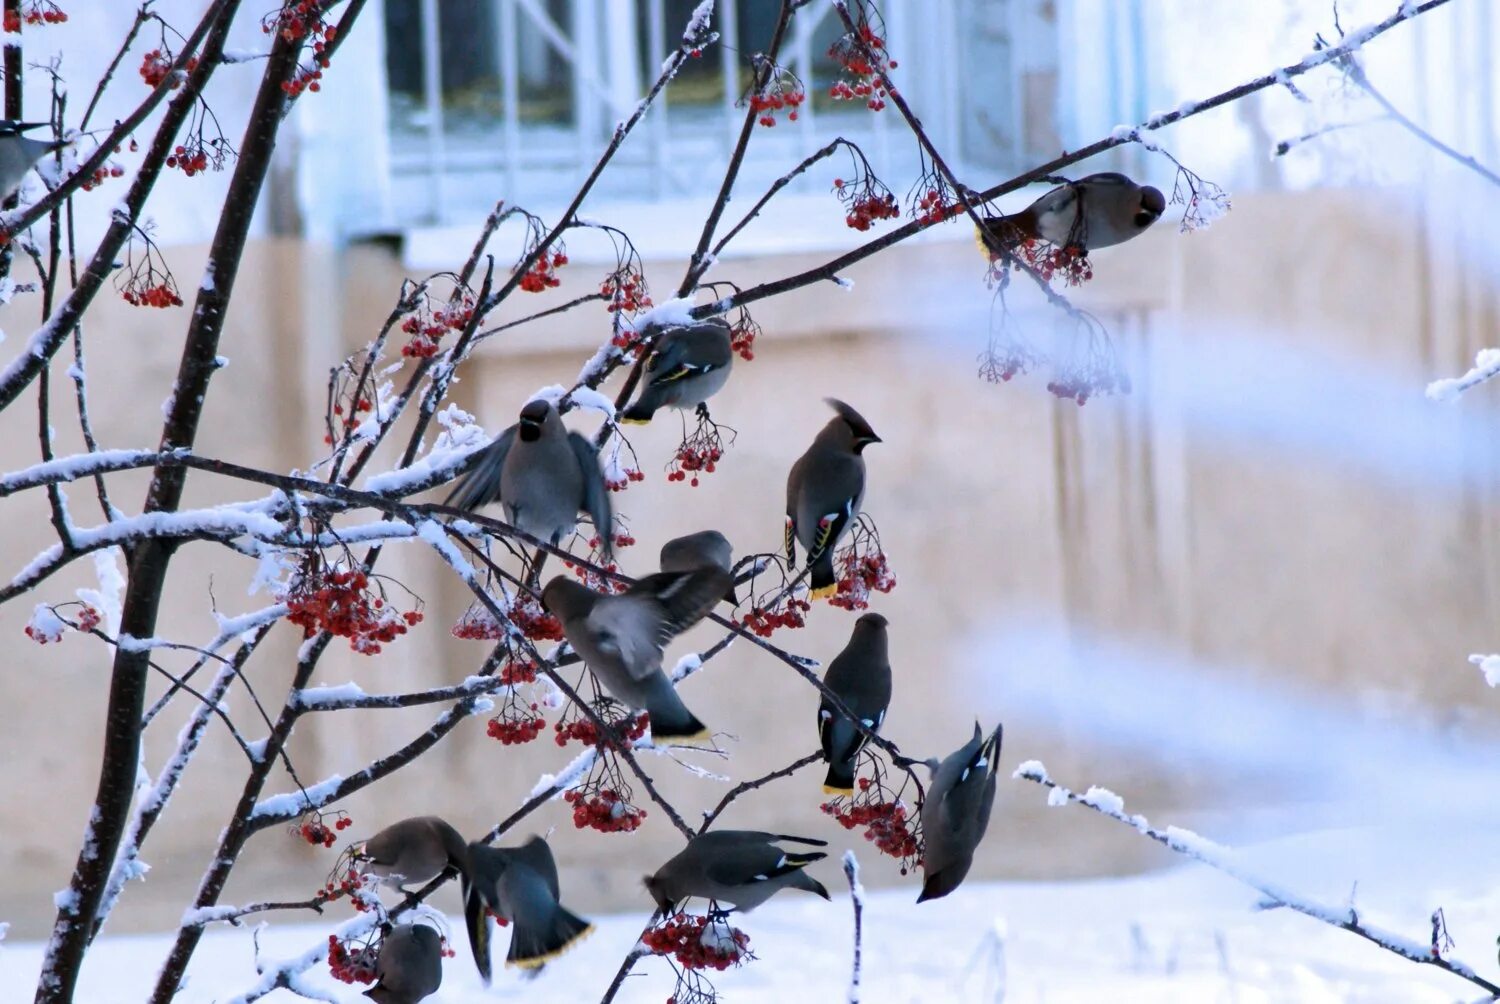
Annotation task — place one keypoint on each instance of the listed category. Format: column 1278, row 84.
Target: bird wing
column 595, row 496
column 481, row 483
column 536, row 855
column 683, row 598
column 626, row 628
column 682, row 354
column 831, row 526
column 966, row 801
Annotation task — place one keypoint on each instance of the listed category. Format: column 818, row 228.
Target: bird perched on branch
column 860, row 676
column 409, row 967
column 824, row 492
column 741, row 868
column 621, row 638
column 542, row 475
column 519, row 885
column 956, row 812
column 1094, row 212
column 704, row 549
column 19, row 152
column 688, row 366
column 413, row 852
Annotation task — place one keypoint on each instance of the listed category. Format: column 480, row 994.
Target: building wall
column 1130, row 517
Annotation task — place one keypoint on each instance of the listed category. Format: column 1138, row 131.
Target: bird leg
column 534, row 573
column 702, row 410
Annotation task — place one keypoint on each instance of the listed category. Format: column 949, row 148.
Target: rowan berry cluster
column 341, row 884
column 148, row 293
column 742, row 338
column 605, row 810
column 357, row 966
column 101, row 174
column 515, row 732
column 195, row 156
column 625, row 292
column 427, row 327
column 1002, row 361
column 542, row 275
column 866, row 202
column 1070, row 263
column 782, row 92
column 764, row 622
column 698, row 942
column 34, row 13
column 339, row 601
column 864, row 58
column 157, row 63
column 859, row 574
column 934, row 206
column 52, row 630
column 298, row 19
column 627, row 475
column 1080, row 385
column 692, row 458
column 320, row 829
column 885, row 822
column 518, row 671
column 305, row 80
column 531, row 620
column 585, row 732
column 477, row 624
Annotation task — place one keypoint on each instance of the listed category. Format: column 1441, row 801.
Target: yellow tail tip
column 702, row 735
column 823, row 592
column 829, row 789
column 632, row 420
column 538, row 961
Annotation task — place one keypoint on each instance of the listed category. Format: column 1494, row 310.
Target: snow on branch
column 1222, row 859
column 1486, row 367
column 857, row 899
column 1489, row 665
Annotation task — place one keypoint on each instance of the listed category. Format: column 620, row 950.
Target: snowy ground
column 1187, row 935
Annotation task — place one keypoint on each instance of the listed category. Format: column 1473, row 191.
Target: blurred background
column 1243, row 595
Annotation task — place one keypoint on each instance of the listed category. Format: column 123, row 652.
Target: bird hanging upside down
column 1094, row 212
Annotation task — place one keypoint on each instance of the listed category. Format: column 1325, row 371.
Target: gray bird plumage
column 689, row 366
column 861, row 677
column 18, row 153
column 542, row 475
column 704, row 549
column 621, row 638
column 956, row 812
column 1098, row 211
column 740, row 868
column 410, row 965
column 519, row 885
column 413, row 851
column 824, row 492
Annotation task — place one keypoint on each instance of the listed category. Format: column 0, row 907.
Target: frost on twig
column 1223, row 859
column 857, row 901
column 1486, row 367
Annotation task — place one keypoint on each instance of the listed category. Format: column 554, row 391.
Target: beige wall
column 993, row 502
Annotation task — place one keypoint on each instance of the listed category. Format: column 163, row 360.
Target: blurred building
column 1151, row 518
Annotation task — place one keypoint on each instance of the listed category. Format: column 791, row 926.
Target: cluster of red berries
column 36, row 12
column 195, row 158
column 1070, row 263
column 859, row 574
column 542, row 275
column 605, row 811
column 319, row 833
column 298, row 19
column 152, row 294
column 339, row 601
column 625, row 291
column 885, row 824
column 532, row 621
column 305, row 80
column 157, row 63
column 101, row 174
column 515, row 732
column 359, row 404
column 867, row 204
column 1079, row 386
column 933, row 207
column 692, row 457
column 477, row 624
column 778, row 97
column 742, row 339
column 582, row 730
column 699, row 943
column 594, row 580
column 854, row 57
column 1003, row 363
column 620, row 484
column 88, row 619
column 428, row 328
column 351, row 967
column 764, row 622
column 345, row 886
column 517, row 672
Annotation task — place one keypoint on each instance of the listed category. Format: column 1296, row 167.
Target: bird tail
column 380, row 995
column 676, row 725
column 840, row 779
column 533, row 946
column 810, row 884
column 476, row 918
column 998, row 235
column 823, row 582
column 481, row 484
column 643, row 410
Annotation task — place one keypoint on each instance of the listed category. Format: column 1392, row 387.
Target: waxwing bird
column 956, row 812
column 742, row 868
column 704, row 549
column 18, row 152
column 824, row 492
column 1094, row 212
column 621, row 638
column 861, row 677
column 413, row 852
column 519, row 885
column 689, row 366
column 542, row 474
column 410, row 965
